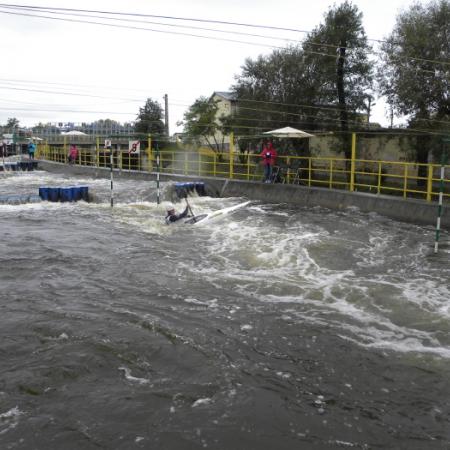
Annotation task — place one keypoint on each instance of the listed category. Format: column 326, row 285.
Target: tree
column 305, row 86
column 415, row 71
column 344, row 81
column 149, row 120
column 201, row 123
column 12, row 124
column 272, row 91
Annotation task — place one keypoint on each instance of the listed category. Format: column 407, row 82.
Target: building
column 226, row 106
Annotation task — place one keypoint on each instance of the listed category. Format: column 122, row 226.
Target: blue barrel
column 84, row 191
column 43, row 193
column 76, row 193
column 200, row 188
column 53, row 194
column 25, row 165
column 11, row 166
column 66, row 194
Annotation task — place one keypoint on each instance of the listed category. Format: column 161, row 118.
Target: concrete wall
column 407, row 210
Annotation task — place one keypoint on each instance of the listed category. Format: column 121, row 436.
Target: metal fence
column 406, row 179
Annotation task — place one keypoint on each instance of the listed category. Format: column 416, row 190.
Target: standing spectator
column 268, row 155
column 73, row 154
column 31, row 147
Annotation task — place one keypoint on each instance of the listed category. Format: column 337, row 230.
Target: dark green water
column 276, row 328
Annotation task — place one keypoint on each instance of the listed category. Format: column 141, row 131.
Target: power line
column 66, row 93
column 147, row 29
column 68, row 11
column 65, row 111
column 165, row 24
column 408, row 131
column 11, row 80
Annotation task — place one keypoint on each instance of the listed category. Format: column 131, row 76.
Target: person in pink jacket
column 269, row 156
column 73, row 154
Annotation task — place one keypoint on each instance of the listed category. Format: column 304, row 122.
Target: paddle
column 190, row 209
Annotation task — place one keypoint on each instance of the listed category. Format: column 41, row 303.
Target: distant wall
column 381, row 147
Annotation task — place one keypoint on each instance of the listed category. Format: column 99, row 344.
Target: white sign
column 134, row 147
column 108, row 143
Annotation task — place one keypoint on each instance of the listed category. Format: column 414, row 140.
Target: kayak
column 203, row 218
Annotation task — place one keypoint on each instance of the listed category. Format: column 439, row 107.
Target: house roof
column 226, row 95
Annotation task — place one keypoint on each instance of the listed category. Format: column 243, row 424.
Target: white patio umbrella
column 73, row 133
column 288, row 132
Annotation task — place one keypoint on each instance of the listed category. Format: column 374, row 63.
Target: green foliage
column 11, row 125
column 415, row 71
column 271, row 91
column 341, row 30
column 298, row 86
column 202, row 125
column 150, row 119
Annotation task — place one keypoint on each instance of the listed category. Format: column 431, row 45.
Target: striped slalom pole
column 111, row 162
column 158, row 194
column 441, row 194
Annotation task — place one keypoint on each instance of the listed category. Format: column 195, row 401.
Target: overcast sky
column 117, row 69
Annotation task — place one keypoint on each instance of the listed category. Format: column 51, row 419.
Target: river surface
column 274, row 328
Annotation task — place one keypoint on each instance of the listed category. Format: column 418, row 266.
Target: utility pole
column 166, row 114
column 368, row 112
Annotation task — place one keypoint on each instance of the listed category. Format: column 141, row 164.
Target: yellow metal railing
column 405, row 179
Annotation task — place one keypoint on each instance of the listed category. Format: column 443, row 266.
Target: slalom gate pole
column 111, row 162
column 158, row 194
column 441, row 194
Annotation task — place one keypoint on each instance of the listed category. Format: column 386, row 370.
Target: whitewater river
column 276, row 328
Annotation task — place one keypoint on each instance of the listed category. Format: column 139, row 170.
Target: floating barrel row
column 18, row 199
column 19, row 165
column 64, row 194
column 183, row 189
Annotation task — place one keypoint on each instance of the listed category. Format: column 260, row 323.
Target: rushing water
column 275, row 328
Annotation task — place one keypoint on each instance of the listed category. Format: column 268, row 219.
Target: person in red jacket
column 269, row 156
column 73, row 154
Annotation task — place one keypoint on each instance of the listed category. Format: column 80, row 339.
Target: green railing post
column 248, row 166
column 352, row 164
column 214, row 168
column 185, row 162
